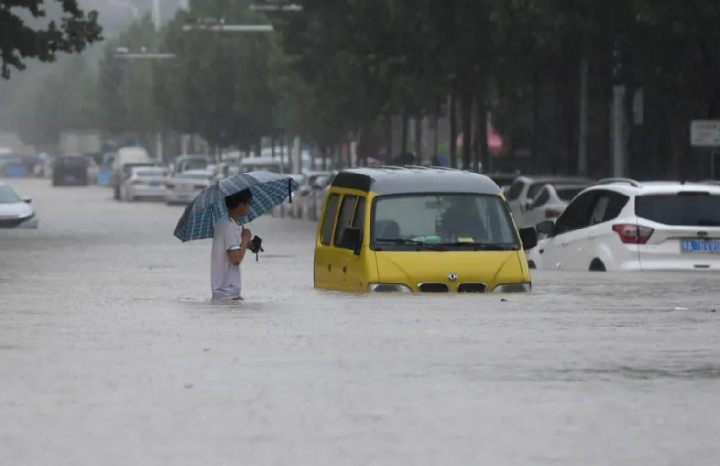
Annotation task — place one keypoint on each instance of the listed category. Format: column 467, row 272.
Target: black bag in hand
column 255, row 247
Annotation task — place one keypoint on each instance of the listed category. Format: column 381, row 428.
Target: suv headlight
column 513, row 288
column 384, row 287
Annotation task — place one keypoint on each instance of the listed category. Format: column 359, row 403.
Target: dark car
column 70, row 170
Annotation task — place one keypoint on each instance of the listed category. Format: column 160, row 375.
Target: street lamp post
column 125, row 54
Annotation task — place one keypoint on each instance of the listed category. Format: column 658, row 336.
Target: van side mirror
column 27, row 200
column 546, row 228
column 352, row 239
column 529, row 239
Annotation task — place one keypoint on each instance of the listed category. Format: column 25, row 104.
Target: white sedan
column 14, row 211
column 550, row 202
column 144, row 182
column 184, row 187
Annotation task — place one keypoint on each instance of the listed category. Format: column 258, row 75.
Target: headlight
column 384, row 287
column 513, row 288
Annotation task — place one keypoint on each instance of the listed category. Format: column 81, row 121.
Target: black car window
column 615, row 206
column 577, row 214
column 598, row 212
column 329, row 219
column 515, row 190
column 347, row 208
column 695, row 209
column 534, row 190
column 542, row 199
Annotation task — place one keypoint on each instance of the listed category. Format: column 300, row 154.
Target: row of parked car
column 606, row 225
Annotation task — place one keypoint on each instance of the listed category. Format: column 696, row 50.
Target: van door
column 323, row 249
column 351, row 267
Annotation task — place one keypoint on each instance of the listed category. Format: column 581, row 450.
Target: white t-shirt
column 224, row 275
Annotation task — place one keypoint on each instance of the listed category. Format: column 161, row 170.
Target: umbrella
column 268, row 190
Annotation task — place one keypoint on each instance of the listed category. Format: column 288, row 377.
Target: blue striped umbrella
column 268, row 189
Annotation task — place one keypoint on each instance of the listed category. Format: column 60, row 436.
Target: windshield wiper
column 411, row 242
column 483, row 246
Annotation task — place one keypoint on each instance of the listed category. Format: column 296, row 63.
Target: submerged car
column 15, row 212
column 622, row 225
column 71, row 170
column 184, row 187
column 419, row 230
column 550, row 202
column 144, row 183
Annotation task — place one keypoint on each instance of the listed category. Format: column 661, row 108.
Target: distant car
column 126, row 156
column 313, row 186
column 184, row 163
column 14, row 211
column 550, row 202
column 625, row 226
column 184, row 187
column 504, row 180
column 144, row 183
column 524, row 189
column 70, row 170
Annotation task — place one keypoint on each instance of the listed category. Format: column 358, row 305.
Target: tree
column 219, row 85
column 61, row 98
column 19, row 41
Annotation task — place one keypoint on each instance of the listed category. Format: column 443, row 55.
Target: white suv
column 621, row 224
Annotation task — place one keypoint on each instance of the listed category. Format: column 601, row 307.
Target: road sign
column 705, row 133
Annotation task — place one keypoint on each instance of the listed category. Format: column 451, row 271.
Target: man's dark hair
column 241, row 197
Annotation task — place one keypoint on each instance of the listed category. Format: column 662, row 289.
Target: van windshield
column 454, row 221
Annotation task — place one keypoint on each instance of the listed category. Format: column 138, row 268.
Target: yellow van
column 415, row 229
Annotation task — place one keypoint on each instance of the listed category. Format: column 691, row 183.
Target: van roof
column 412, row 179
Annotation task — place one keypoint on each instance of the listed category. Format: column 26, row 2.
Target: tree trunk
column 467, row 107
column 483, row 152
column 453, row 129
column 405, row 134
column 418, row 140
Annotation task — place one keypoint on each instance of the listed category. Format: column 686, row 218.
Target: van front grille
column 472, row 288
column 433, row 288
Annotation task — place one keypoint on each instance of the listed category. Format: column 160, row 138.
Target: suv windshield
column 449, row 220
column 684, row 209
column 7, row 195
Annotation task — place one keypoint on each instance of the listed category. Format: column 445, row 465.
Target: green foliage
column 71, row 33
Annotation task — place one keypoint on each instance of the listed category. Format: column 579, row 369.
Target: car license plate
column 700, row 245
column 155, row 184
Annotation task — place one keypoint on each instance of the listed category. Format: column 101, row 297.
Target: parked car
column 550, row 202
column 125, row 156
column 419, row 230
column 504, row 180
column 626, row 225
column 70, row 170
column 184, row 163
column 184, row 187
column 522, row 191
column 308, row 200
column 16, row 212
column 144, row 183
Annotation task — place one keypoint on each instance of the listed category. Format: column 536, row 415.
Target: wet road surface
column 111, row 354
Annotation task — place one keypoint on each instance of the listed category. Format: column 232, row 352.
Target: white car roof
column 196, row 172
column 635, row 188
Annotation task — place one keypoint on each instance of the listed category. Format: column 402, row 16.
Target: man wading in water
column 230, row 243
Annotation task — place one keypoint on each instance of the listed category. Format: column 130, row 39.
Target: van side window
column 359, row 217
column 329, row 219
column 346, row 211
